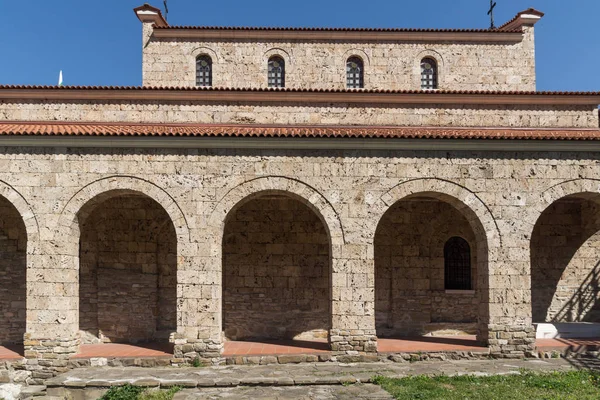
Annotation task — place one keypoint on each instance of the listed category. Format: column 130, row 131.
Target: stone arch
column 198, row 51
column 314, row 202
column 466, row 203
column 20, row 244
column 26, row 213
column 278, row 52
column 82, row 204
column 355, row 52
column 560, row 190
column 458, row 196
column 68, row 227
column 565, row 267
column 439, row 59
column 292, row 187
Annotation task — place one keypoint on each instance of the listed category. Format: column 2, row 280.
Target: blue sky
column 99, row 42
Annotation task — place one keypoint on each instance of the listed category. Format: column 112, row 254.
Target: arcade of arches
column 277, row 269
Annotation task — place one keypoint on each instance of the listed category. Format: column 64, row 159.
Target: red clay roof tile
column 296, row 90
column 271, row 131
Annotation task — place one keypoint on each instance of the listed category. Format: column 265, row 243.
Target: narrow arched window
column 203, row 71
column 354, row 73
column 457, row 264
column 429, row 73
column 276, row 73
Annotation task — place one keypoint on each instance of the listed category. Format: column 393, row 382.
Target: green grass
column 130, row 392
column 576, row 385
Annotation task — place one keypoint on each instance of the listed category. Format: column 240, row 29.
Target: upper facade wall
column 387, row 66
column 489, row 60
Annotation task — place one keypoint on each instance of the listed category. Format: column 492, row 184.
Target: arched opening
column 565, row 268
column 204, row 70
column 276, row 72
column 13, row 271
column 128, row 270
column 429, row 73
column 355, row 73
column 412, row 261
column 276, row 272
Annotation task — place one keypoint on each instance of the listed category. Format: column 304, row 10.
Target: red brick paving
column 238, row 348
column 118, row 350
column 563, row 344
column 256, row 348
column 11, row 352
column 429, row 344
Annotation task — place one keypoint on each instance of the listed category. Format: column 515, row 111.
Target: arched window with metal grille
column 457, row 264
column 203, row 70
column 354, row 73
column 429, row 73
column 276, row 74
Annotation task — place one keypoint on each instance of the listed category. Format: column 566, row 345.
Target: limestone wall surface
column 500, row 194
column 276, row 269
column 543, row 116
column 322, row 65
column 410, row 292
column 127, row 272
column 13, row 252
column 565, row 262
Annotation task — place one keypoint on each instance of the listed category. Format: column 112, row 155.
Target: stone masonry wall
column 504, row 192
column 302, row 114
column 319, row 65
column 565, row 262
column 13, row 247
column 409, row 269
column 276, row 272
column 127, row 272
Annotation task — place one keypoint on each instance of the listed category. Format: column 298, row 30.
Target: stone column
column 199, row 301
column 52, row 308
column 353, row 301
column 510, row 330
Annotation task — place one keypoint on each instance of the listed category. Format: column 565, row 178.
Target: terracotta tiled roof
column 297, row 90
column 307, row 29
column 531, row 11
column 270, row 131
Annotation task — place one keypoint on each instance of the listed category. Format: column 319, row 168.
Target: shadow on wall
column 565, row 262
column 128, row 271
column 13, row 269
column 276, row 271
column 410, row 295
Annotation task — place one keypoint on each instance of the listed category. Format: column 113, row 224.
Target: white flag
column 60, row 78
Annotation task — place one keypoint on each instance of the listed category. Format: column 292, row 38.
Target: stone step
column 325, row 392
column 29, row 392
column 567, row 330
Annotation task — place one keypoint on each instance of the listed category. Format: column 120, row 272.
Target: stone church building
column 333, row 185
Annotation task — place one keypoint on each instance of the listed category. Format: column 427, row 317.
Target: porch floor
column 260, row 348
column 429, row 344
column 11, row 352
column 121, row 350
column 271, row 348
column 573, row 345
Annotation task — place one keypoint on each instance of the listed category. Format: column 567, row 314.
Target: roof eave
column 142, row 94
column 208, row 34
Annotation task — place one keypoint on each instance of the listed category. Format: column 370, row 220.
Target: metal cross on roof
column 166, row 10
column 491, row 13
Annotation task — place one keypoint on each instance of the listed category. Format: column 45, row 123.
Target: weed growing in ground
column 130, row 392
column 573, row 385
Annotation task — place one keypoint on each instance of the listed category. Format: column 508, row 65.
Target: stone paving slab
column 290, row 375
column 325, row 392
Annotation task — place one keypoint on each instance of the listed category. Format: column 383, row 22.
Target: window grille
column 204, row 71
column 457, row 264
column 276, row 74
column 429, row 74
column 354, row 73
